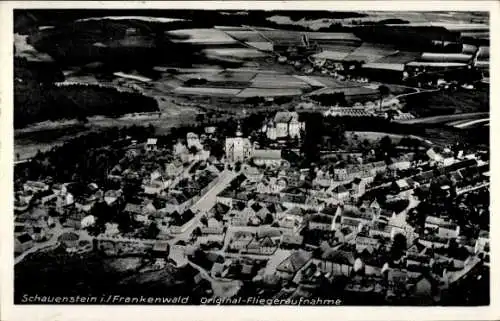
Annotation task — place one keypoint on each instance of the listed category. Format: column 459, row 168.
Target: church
column 238, row 148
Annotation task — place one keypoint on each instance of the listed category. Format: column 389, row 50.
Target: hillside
column 36, row 98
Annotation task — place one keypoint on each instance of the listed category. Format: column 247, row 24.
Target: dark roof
column 294, row 262
column 338, row 256
column 23, row 238
column 69, row 237
column 462, row 164
column 220, row 208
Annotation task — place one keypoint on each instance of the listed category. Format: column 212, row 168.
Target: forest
column 36, row 98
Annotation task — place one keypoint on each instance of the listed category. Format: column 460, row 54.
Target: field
column 202, row 36
column 207, row 91
column 239, row 53
column 268, row 92
column 277, row 81
column 246, row 35
column 450, row 120
column 446, row 103
column 401, row 57
column 370, row 52
column 331, row 82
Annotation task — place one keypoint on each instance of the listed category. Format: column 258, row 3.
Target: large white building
column 238, row 148
column 285, row 124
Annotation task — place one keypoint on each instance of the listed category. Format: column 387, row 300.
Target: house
column 482, row 243
column 35, row 186
column 154, row 187
column 69, row 239
column 174, row 168
column 160, row 249
column 151, row 144
column 291, row 240
column 444, row 229
column 262, row 246
column 238, row 149
column 340, row 193
column 213, row 227
column 193, row 140
column 240, row 240
column 111, row 196
column 366, row 243
column 336, row 262
column 401, row 185
column 179, row 149
column 400, row 163
column 353, row 214
column 289, row 267
column 397, row 281
column 210, row 130
column 22, row 243
column 321, row 222
column 285, row 124
column 267, row 157
column 434, row 156
column 241, row 218
column 253, row 173
column 133, row 210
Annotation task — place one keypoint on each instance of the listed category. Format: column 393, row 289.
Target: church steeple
column 238, row 129
column 239, row 133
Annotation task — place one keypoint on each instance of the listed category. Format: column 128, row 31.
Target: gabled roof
column 151, row 141
column 296, row 211
column 285, row 116
column 339, row 189
column 133, row 208
column 267, row 154
column 294, row 262
column 339, row 256
column 24, row 238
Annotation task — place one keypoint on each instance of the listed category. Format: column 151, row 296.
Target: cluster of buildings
column 271, row 222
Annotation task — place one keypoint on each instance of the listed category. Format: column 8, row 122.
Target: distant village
column 404, row 228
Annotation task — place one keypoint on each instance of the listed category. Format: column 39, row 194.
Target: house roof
column 24, row 238
column 292, row 239
column 151, row 141
column 69, row 236
column 320, row 218
column 294, row 262
column 340, row 189
column 434, row 220
column 267, row 154
column 191, row 135
column 285, row 116
column 133, row 208
column 296, row 211
column 160, row 246
column 339, row 256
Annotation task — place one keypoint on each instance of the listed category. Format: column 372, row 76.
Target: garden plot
column 202, row 36
column 269, row 92
column 370, row 52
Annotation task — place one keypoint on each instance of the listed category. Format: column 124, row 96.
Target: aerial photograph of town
column 251, row 157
